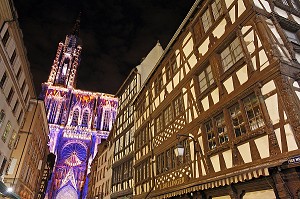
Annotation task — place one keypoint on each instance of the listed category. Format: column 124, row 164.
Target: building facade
column 16, row 87
column 78, row 121
column 227, row 92
column 122, row 179
column 30, row 153
column 101, row 172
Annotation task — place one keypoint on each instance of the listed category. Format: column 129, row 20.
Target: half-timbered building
column 122, row 168
column 226, row 90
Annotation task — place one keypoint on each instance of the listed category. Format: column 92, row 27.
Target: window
column 10, row 95
column 158, row 85
column 2, row 117
column 6, row 131
column 16, row 106
column 85, row 118
column 253, row 112
column 213, row 12
column 12, row 139
column 178, row 106
column 206, row 78
column 221, row 129
column 75, row 117
column 237, row 120
column 174, row 64
column 206, row 20
column 168, row 72
column 168, row 115
column 5, row 38
column 159, row 123
column 20, row 116
column 3, row 80
column 231, row 54
column 13, row 57
column 106, row 118
column 210, row 135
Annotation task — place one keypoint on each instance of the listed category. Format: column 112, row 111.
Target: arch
column 67, row 192
column 75, row 117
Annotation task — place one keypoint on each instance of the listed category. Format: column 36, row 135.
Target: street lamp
column 179, row 150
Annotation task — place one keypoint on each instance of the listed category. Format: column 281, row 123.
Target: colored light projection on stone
column 78, row 122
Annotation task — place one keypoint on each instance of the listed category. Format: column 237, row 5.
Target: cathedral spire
column 76, row 28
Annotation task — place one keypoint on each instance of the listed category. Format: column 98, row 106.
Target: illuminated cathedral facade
column 78, row 121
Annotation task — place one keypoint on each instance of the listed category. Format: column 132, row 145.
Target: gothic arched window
column 106, row 118
column 85, row 118
column 75, row 117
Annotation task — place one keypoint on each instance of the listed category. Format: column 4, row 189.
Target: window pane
column 206, row 20
column 216, row 9
column 237, row 120
column 231, row 54
column 253, row 112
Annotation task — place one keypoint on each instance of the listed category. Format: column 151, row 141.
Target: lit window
column 253, row 112
column 231, row 54
column 6, row 131
column 2, row 117
column 106, row 118
column 206, row 79
column 85, row 118
column 206, row 20
column 12, row 139
column 75, row 117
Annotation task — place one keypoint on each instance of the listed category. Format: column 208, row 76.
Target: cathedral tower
column 78, row 121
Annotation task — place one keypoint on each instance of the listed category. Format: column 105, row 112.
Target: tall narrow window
column 2, row 117
column 168, row 115
column 10, row 95
column 11, row 142
column 6, row 131
column 253, row 112
column 231, row 54
column 3, row 80
column 206, row 78
column 221, row 129
column 106, row 119
column 5, row 38
column 159, row 123
column 19, row 117
column 85, row 119
column 237, row 120
column 211, row 138
column 178, row 106
column 75, row 117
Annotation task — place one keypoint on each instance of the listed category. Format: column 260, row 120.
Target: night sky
column 116, row 35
